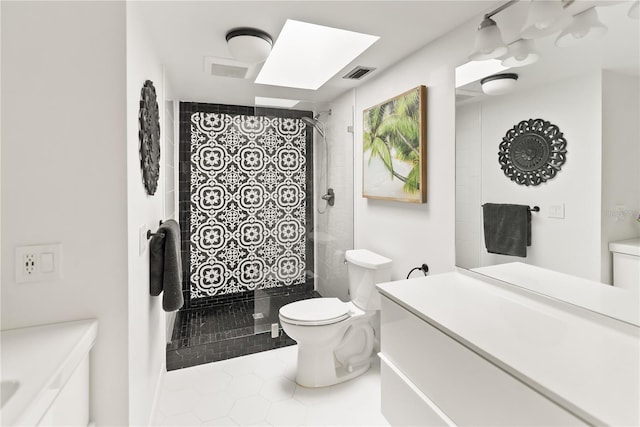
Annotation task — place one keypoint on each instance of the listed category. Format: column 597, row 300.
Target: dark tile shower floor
column 209, row 334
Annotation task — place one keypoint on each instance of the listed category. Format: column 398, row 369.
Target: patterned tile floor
column 260, row 389
column 224, row 331
column 232, row 320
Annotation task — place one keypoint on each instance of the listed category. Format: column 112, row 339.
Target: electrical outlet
column 29, row 264
column 38, row 263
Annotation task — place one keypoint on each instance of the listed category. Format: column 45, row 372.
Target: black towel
column 507, row 229
column 165, row 266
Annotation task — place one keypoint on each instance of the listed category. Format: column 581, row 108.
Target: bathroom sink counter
column 585, row 362
column 605, row 299
column 629, row 246
column 41, row 359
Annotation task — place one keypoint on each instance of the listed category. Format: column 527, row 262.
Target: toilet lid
column 315, row 311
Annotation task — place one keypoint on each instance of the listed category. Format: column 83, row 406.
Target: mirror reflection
column 588, row 222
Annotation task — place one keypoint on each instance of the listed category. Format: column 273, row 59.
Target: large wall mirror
column 591, row 92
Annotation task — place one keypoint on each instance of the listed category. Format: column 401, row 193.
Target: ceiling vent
column 228, row 71
column 358, row 72
column 226, row 67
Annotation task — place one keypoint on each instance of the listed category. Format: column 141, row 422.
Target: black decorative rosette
column 149, row 135
column 532, row 152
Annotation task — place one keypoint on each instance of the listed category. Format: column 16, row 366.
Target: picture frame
column 394, row 148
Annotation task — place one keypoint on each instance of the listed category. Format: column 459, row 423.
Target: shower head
column 316, row 124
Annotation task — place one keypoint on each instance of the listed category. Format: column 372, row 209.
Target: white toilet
column 336, row 339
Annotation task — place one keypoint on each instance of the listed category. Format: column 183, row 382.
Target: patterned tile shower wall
column 249, row 216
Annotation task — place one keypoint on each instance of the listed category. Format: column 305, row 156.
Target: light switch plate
column 38, row 263
column 556, row 211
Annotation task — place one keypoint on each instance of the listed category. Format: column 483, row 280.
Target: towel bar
column 533, row 209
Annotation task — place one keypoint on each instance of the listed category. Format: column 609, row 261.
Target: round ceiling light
column 499, row 84
column 249, row 44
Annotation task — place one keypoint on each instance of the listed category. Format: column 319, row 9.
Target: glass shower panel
column 333, row 232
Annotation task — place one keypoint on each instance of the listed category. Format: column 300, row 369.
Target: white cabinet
column 457, row 350
column 51, row 365
column 403, row 404
column 626, row 264
column 71, row 404
column 468, row 389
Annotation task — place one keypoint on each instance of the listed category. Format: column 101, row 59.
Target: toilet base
column 318, row 368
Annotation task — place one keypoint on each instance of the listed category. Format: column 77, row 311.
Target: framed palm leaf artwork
column 394, row 148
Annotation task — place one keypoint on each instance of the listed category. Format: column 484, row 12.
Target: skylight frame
column 306, row 56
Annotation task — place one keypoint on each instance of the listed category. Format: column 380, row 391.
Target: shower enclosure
column 248, row 219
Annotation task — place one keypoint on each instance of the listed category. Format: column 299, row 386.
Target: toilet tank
column 365, row 270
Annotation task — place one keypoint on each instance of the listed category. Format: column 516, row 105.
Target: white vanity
column 460, row 350
column 45, row 374
column 626, row 263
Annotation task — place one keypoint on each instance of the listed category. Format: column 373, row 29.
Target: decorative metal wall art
column 532, row 152
column 149, row 135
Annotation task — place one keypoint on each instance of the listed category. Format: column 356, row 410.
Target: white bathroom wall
column 334, row 228
column 411, row 234
column 468, row 185
column 64, row 176
column 147, row 324
column 620, row 160
column 574, row 105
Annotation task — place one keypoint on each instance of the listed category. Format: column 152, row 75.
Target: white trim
column 153, row 416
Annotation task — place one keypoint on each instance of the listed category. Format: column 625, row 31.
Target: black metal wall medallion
column 149, row 135
column 532, row 152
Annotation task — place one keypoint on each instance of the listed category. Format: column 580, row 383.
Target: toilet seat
column 315, row 312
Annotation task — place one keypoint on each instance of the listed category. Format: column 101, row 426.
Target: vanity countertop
column 585, row 362
column 629, row 247
column 611, row 301
column 40, row 359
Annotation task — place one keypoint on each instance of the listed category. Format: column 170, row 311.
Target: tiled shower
column 246, row 211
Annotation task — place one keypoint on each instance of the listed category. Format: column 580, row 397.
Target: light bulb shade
column 544, row 17
column 521, row 52
column 499, row 84
column 585, row 27
column 488, row 44
column 249, row 45
column 634, row 12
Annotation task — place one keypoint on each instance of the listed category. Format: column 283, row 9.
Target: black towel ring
column 150, row 234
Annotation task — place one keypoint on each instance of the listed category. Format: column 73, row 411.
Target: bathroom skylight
column 306, row 56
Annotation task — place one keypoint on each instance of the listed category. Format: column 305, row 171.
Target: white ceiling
column 185, row 32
